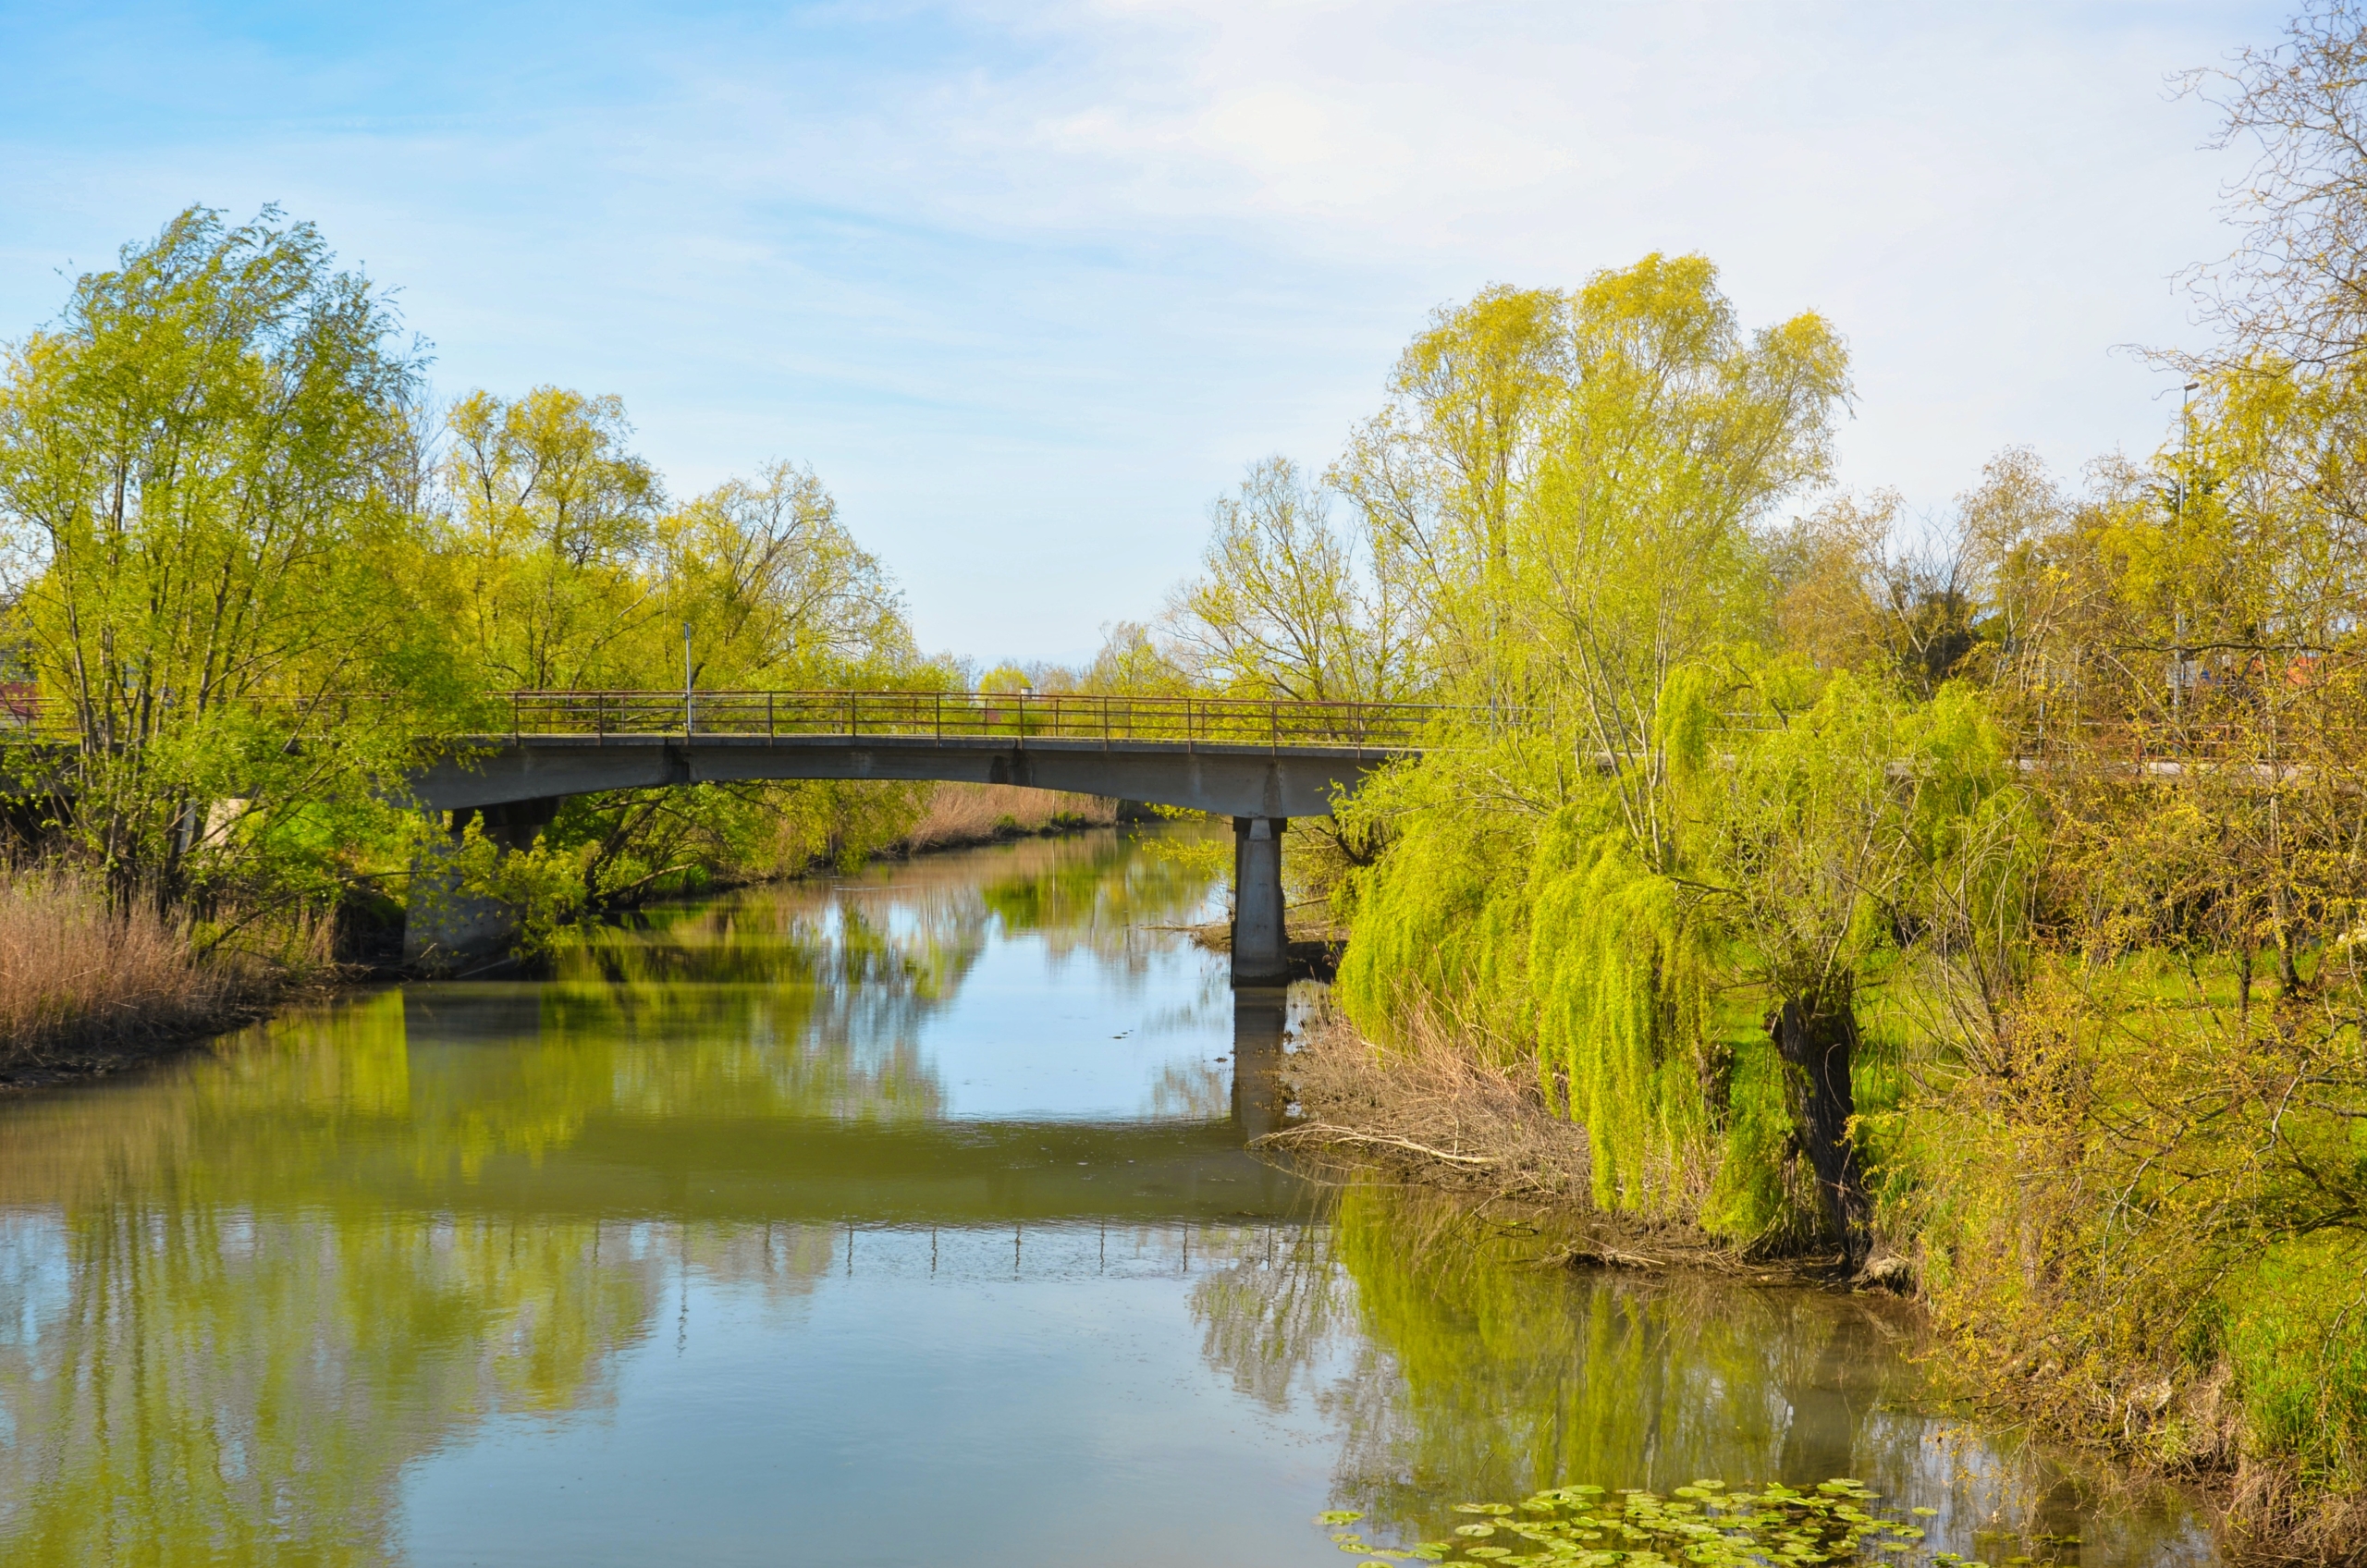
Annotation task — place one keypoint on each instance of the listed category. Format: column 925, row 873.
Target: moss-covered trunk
column 1817, row 1036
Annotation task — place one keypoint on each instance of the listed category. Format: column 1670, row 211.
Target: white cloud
column 1029, row 283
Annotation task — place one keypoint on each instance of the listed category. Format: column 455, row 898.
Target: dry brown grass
column 2274, row 1517
column 77, row 976
column 980, row 813
column 1434, row 1108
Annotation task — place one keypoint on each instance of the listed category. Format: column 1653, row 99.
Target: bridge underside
column 1224, row 781
column 513, row 784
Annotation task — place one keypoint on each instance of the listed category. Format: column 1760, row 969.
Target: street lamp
column 2178, row 566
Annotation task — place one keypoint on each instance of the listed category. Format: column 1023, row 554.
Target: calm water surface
column 902, row 1220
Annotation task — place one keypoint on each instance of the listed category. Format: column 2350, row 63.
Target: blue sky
column 1028, row 283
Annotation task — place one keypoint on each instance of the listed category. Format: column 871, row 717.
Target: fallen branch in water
column 1331, row 1135
column 1607, row 1258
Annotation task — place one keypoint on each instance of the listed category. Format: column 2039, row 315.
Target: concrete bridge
column 1259, row 762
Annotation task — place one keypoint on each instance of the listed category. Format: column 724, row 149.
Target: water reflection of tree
column 1272, row 1312
column 185, row 1383
column 1480, row 1375
column 810, row 999
column 1191, row 1091
column 1099, row 893
column 201, row 1384
column 1466, row 1369
column 219, row 1343
column 225, row 1330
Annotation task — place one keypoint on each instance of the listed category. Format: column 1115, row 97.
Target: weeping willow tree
column 1838, row 834
column 1580, row 477
column 1624, row 1012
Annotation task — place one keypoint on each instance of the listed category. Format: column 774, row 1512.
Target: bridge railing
column 947, row 716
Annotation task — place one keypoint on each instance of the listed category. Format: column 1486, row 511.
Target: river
column 899, row 1219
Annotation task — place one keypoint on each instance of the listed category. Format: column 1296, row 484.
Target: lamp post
column 687, row 714
column 2177, row 540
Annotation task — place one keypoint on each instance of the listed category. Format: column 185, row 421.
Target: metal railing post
column 1186, row 721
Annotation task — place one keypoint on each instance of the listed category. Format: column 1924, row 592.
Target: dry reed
column 980, row 813
column 1434, row 1107
column 76, row 974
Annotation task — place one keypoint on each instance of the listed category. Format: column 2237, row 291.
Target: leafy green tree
column 1438, row 474
column 550, row 539
column 204, row 472
column 562, row 560
column 1131, row 662
column 1288, row 605
column 775, row 590
column 1590, row 522
column 1636, row 552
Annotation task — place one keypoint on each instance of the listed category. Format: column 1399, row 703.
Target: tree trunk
column 1817, row 1037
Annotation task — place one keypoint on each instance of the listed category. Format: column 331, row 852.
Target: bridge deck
column 1229, row 756
column 1228, row 780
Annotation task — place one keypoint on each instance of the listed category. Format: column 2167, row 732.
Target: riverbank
column 88, row 989
column 1430, row 1115
column 1434, row 1115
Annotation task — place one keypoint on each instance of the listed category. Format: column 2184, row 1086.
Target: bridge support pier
column 1261, row 949
column 445, row 924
